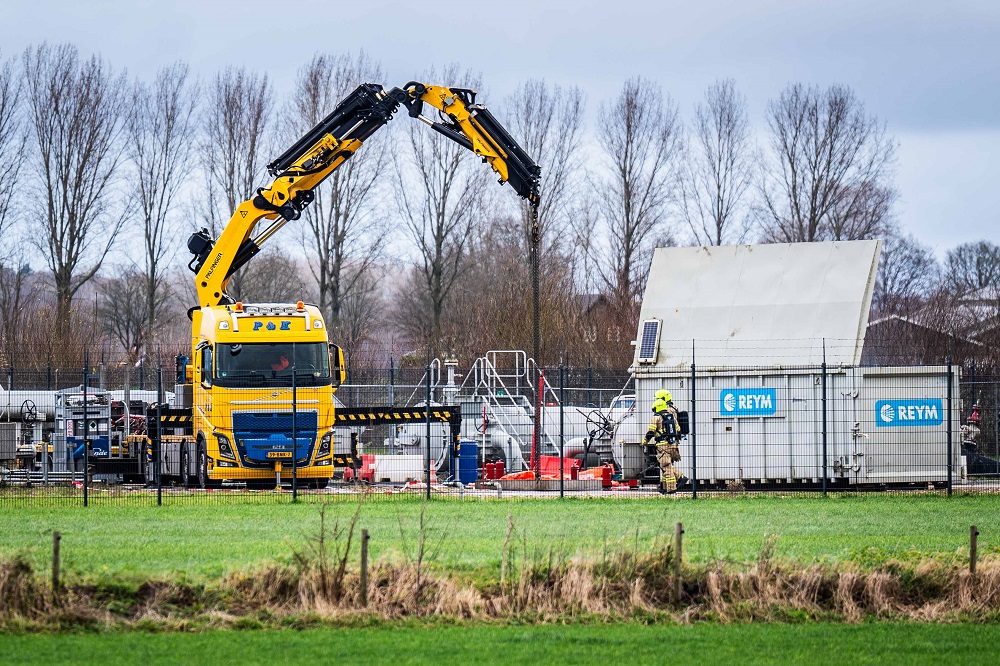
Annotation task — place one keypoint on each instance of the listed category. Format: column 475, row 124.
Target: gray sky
column 930, row 70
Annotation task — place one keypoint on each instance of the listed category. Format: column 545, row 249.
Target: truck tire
column 189, row 479
column 203, row 480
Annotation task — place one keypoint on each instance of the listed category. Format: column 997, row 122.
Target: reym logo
column 913, row 412
column 748, row 402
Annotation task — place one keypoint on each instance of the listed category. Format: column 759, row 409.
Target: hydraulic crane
column 256, row 395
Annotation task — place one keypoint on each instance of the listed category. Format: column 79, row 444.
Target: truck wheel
column 185, row 466
column 203, row 480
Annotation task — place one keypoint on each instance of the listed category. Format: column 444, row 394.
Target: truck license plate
column 279, row 454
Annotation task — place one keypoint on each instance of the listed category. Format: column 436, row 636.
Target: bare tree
column 865, row 211
column 907, row 274
column 75, row 118
column 830, row 175
column 547, row 120
column 235, row 148
column 345, row 229
column 439, row 193
column 273, row 277
column 972, row 266
column 19, row 288
column 122, row 307
column 641, row 134
column 496, row 306
column 548, row 123
column 161, row 127
column 720, row 168
column 12, row 139
column 361, row 310
column 14, row 271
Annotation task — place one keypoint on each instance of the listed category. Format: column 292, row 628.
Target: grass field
column 575, row 644
column 200, row 540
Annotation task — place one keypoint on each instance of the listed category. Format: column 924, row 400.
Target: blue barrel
column 468, row 461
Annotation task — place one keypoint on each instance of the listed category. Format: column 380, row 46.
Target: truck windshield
column 271, row 364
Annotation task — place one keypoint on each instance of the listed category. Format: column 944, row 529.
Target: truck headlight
column 225, row 448
column 324, row 445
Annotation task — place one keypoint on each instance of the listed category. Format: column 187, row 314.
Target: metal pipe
column 295, row 436
column 86, row 419
column 536, row 237
column 159, row 433
column 823, row 388
column 950, row 443
column 562, row 433
column 693, row 426
column 427, row 420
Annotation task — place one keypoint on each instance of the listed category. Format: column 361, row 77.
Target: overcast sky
column 930, row 70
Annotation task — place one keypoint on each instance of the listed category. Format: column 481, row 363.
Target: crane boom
column 324, row 148
column 473, row 126
column 296, row 173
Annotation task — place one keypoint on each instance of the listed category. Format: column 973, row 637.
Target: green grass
column 204, row 540
column 577, row 644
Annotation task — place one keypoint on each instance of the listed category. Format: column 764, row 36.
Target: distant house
column 966, row 328
column 898, row 340
column 977, row 315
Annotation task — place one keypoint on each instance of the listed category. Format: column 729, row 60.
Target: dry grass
column 320, row 585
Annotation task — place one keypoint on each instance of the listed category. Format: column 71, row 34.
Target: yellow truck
column 254, row 400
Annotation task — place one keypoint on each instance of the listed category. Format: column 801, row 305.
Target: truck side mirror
column 338, row 370
column 206, row 364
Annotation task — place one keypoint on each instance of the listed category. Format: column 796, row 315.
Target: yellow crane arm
column 473, row 126
column 332, row 142
column 296, row 173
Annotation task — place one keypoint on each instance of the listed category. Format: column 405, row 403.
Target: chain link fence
column 294, row 432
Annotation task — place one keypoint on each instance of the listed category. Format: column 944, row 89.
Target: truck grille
column 263, row 438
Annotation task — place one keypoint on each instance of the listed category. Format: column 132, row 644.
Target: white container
column 883, row 425
column 398, row 468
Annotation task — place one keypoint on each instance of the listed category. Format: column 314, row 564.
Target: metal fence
column 129, row 435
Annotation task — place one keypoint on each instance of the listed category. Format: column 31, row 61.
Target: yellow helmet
column 664, row 395
column 659, row 405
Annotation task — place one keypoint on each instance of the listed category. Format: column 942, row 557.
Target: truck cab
column 262, row 380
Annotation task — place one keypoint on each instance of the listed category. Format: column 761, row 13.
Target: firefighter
column 664, row 430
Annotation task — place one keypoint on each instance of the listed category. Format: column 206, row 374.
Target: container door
column 725, row 452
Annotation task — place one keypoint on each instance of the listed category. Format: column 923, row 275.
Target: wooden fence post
column 678, row 556
column 364, row 568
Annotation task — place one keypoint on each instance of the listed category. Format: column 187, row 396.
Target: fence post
column 972, row 383
column 295, row 436
column 678, row 554
column 48, row 375
column 692, row 422
column 56, row 538
column 427, row 419
column 364, row 568
column 392, row 382
column 973, row 547
column 86, row 429
column 10, row 378
column 950, row 442
column 823, row 400
column 354, row 393
column 159, row 433
column 562, row 437
column 589, row 380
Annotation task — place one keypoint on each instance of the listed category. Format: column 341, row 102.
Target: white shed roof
column 753, row 305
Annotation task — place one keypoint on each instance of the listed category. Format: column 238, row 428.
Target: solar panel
column 650, row 341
